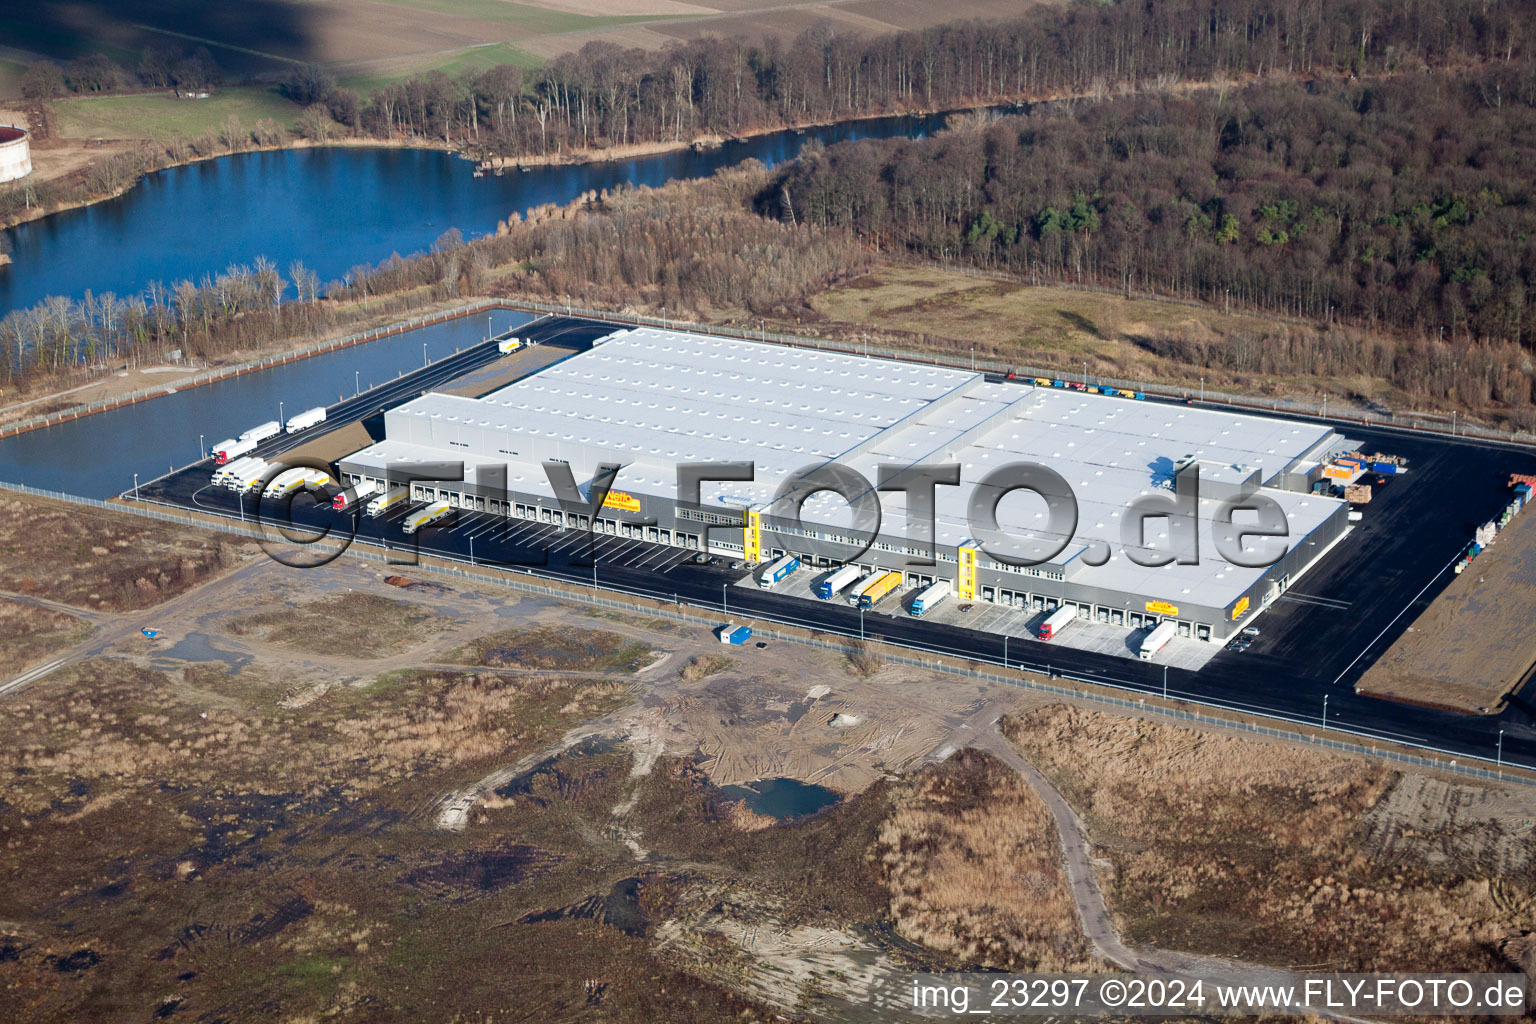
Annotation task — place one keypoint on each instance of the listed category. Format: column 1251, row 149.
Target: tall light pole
column 202, row 453
column 1202, row 389
column 279, row 413
column 424, row 360
column 357, row 382
column 135, row 487
column 1325, row 710
column 489, row 334
column 471, row 551
column 1005, row 650
column 1165, row 682
column 762, row 328
column 723, row 598
column 1501, row 750
column 861, row 623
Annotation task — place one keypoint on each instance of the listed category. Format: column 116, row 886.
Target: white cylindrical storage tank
column 15, row 153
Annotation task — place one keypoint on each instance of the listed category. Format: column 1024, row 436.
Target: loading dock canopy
column 650, row 399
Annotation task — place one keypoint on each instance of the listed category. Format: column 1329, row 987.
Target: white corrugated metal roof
column 651, row 399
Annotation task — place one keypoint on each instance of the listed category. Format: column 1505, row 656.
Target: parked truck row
column 232, row 448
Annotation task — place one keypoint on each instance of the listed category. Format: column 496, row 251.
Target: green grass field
column 522, row 18
column 163, row 116
column 474, row 59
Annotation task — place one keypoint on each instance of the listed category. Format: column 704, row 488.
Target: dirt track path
column 1092, row 910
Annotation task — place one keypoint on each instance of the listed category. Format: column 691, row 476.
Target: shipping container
column 737, row 635
column 262, row 431
column 426, row 517
column 1339, row 472
column 928, row 597
column 877, row 590
column 836, row 581
column 778, row 571
column 1052, row 627
column 306, row 419
column 1158, row 639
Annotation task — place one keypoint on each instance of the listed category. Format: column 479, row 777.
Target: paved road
column 1315, row 643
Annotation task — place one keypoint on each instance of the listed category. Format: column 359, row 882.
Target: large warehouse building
column 652, row 399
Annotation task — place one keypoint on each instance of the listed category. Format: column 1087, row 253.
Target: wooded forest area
column 607, row 95
column 1405, row 201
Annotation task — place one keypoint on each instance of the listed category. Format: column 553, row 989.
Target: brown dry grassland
column 92, row 558
column 362, row 625
column 1222, row 845
column 973, row 863
column 29, row 633
column 556, row 649
column 948, row 313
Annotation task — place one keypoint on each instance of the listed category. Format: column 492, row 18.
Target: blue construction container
column 1387, row 468
column 1140, row 396
column 1058, row 383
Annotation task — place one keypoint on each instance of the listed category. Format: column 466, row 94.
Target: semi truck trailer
column 226, row 474
column 778, row 571
column 349, row 498
column 426, row 517
column 509, row 345
column 1051, row 628
column 1158, row 639
column 226, row 451
column 388, row 500
column 306, row 419
column 836, row 581
column 262, row 431
column 928, row 597
column 882, row 585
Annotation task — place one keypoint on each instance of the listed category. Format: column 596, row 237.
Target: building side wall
column 15, row 159
column 663, row 520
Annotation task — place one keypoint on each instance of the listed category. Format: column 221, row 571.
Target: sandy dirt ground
column 783, row 711
column 55, row 157
column 1477, row 640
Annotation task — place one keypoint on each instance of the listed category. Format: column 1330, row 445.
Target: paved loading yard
column 1477, row 641
column 1317, row 640
column 1021, row 626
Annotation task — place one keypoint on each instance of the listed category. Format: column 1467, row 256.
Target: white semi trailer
column 1158, row 639
column 306, row 419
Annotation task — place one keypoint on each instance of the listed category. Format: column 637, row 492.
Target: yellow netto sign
column 618, row 499
column 1239, row 609
column 965, row 586
column 752, row 537
column 1162, row 608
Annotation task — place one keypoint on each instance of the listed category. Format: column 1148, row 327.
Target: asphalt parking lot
column 1315, row 642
